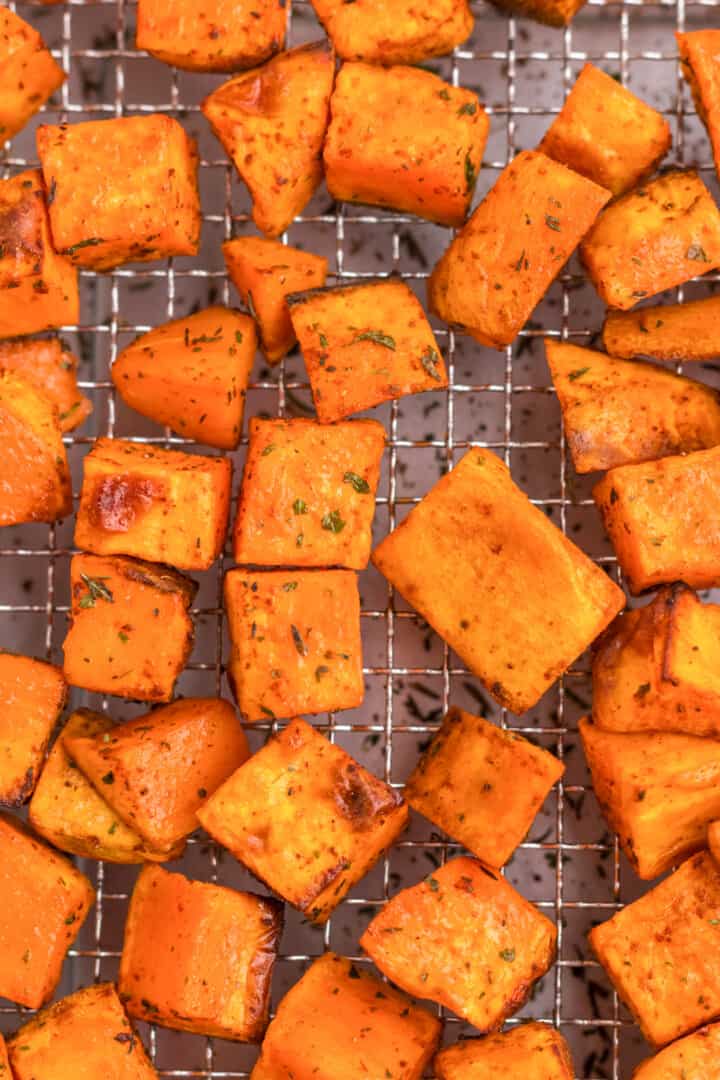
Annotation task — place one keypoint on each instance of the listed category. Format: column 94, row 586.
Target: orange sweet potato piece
column 692, row 1058
column 28, row 73
column 549, row 12
column 700, row 65
column 4, row 1061
column 47, row 364
column 272, row 123
column 394, row 31
column 683, row 332
column 533, row 1051
column 32, row 695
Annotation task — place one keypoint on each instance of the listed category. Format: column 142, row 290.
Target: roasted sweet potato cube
column 501, row 264
column 699, row 53
column 482, row 785
column 84, row 1035
column 394, row 31
column 157, row 770
column 549, row 12
column 472, row 530
column 121, row 190
column 38, row 287
column 191, row 374
column 683, row 332
column 533, row 1051
column 131, row 632
column 43, row 904
column 308, row 493
column 222, row 35
column 28, row 73
column 305, row 818
column 404, row 138
column 32, row 695
column 507, row 943
column 606, row 133
column 50, row 367
column 620, row 412
column 272, row 123
column 341, row 1021
column 663, row 518
column 264, row 272
column 162, row 505
column 652, row 239
column 693, row 1058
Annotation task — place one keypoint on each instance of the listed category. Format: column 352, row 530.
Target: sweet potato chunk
column 161, row 505
column 47, row 365
column 663, row 518
column 501, row 264
column 652, row 239
column 683, row 332
column 131, row 632
column 272, row 124
column 549, row 12
column 43, row 904
column 264, row 272
column 121, row 190
column 507, row 943
column 394, row 31
column 32, row 695
column 617, row 412
column 308, row 493
column 341, row 1021
column 532, row 1051
column 199, row 957
column 28, row 73
column 693, row 1058
column 699, row 52
column 191, row 374
column 475, row 528
column 661, row 952
column 38, row 287
column 606, row 133
column 221, row 35
column 403, row 138
column 157, row 770
column 85, row 1035
column 305, row 818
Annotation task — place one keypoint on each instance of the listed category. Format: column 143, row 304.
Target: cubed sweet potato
column 661, row 952
column 620, row 412
column 482, row 785
column 49, row 366
column 28, row 73
column 43, row 904
column 305, row 818
column 652, row 239
column 38, row 287
column 693, row 1058
column 549, row 12
column 682, row 332
column 131, row 632
column 404, row 138
column 532, row 1051
column 220, row 35
column 121, row 190
column 308, row 493
column 699, row 51
column 663, row 518
column 394, row 31
column 162, row 505
column 295, row 640
column 506, row 942
column 32, row 695
column 475, row 528
column 264, row 272
column 339, row 1020
column 272, row 123
column 501, row 264
column 156, row 771
column 606, row 133
column 191, row 374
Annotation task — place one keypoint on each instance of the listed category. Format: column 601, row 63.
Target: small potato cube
column 661, row 952
column 199, row 957
column 295, row 640
column 131, row 632
column 38, row 287
column 43, row 904
column 365, row 344
column 32, row 695
column 28, row 73
column 663, row 518
column 475, row 528
column 191, row 374
column 264, row 272
column 272, row 123
column 161, row 505
column 693, row 1058
column 403, row 138
column 47, row 364
column 341, row 1021
column 501, row 264
column 549, row 12
column 616, row 412
column 506, row 942
column 156, row 771
column 394, row 31
column 699, row 59
column 84, row 1035
column 683, row 332
column 532, row 1051
column 652, row 239
column 305, row 818
column 308, row 493
column 121, row 190
column 606, row 133
column 220, row 35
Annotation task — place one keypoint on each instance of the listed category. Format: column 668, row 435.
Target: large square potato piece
column 32, row 696
column 692, row 1058
column 532, row 1051
column 394, row 31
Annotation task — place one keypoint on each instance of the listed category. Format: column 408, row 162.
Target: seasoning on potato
column 394, row 31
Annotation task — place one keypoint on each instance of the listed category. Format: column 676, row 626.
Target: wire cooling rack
column 569, row 866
